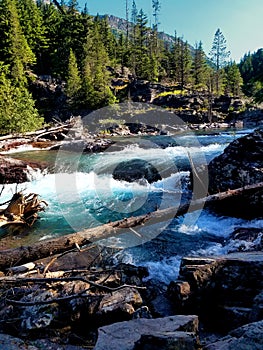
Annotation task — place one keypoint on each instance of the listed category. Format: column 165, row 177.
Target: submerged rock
column 136, row 169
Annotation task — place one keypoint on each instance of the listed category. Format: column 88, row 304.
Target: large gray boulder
column 124, row 335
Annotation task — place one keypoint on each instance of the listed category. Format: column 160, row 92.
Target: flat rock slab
column 124, row 335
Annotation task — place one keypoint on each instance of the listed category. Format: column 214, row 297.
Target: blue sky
column 241, row 21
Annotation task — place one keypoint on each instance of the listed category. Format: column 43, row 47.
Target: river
column 83, row 193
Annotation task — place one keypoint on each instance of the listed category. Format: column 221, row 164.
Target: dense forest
column 68, row 44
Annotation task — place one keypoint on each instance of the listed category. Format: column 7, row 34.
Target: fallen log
column 46, row 248
column 39, row 133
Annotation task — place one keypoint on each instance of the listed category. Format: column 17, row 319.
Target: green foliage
column 219, row 57
column 14, row 48
column 234, row 81
column 17, row 109
column 200, row 67
column 73, row 80
column 33, row 27
column 96, row 90
column 59, row 40
column 251, row 68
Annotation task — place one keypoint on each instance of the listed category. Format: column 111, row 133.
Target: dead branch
column 21, row 210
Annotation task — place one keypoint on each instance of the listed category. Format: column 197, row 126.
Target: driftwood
column 58, row 245
column 21, row 210
column 39, row 133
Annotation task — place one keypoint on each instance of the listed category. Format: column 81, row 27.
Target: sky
column 240, row 21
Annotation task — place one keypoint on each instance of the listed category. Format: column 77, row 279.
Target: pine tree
column 127, row 23
column 200, row 67
column 139, row 53
column 14, row 49
column 74, row 80
column 219, row 57
column 52, row 21
column 175, row 58
column 156, row 5
column 134, row 14
column 17, row 108
column 107, row 36
column 96, row 90
column 185, row 64
column 234, row 80
column 31, row 21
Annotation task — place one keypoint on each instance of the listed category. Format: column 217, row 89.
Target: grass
column 174, row 92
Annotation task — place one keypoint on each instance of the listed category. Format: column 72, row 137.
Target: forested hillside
column 251, row 68
column 81, row 52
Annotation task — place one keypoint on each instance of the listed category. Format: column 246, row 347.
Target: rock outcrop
column 241, row 164
column 225, row 292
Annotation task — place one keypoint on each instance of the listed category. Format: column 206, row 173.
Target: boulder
column 167, row 341
column 136, row 169
column 119, row 304
column 124, row 335
column 247, row 337
column 224, row 291
column 241, row 164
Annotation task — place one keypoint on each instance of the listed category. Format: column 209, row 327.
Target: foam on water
column 165, row 270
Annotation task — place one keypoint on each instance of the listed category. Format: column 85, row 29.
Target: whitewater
column 88, row 196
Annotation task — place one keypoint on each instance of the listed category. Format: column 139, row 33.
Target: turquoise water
column 82, row 193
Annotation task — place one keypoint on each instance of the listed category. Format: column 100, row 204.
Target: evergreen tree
column 74, row 80
column 251, row 69
column 219, row 57
column 14, row 49
column 200, row 67
column 107, row 36
column 234, row 80
column 185, row 64
column 17, row 109
column 139, row 53
column 156, row 5
column 31, row 21
column 96, row 90
column 127, row 22
column 175, row 58
column 52, row 20
column 134, row 14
